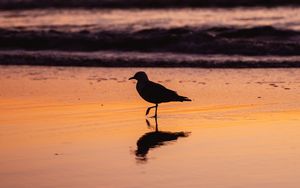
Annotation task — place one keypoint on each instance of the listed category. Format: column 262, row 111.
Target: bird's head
column 140, row 76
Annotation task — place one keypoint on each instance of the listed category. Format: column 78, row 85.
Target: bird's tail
column 182, row 98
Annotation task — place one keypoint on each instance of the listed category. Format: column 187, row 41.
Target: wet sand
column 79, row 127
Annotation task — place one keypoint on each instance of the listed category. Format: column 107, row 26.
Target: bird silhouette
column 155, row 93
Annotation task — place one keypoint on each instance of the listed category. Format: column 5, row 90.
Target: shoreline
column 139, row 59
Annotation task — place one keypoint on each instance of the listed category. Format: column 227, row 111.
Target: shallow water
column 78, row 127
column 142, row 59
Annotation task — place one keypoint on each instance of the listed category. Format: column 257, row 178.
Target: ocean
column 237, row 37
column 70, row 116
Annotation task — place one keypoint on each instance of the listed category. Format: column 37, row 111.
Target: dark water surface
column 270, row 34
column 25, row 4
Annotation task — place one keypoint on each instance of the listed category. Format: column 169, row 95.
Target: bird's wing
column 157, row 93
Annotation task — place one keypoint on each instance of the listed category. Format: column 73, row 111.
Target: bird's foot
column 155, row 116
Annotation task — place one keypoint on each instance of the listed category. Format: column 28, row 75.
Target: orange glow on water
column 81, row 132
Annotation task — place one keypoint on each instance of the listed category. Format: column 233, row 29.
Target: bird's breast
column 145, row 93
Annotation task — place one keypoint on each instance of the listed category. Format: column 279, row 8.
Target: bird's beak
column 131, row 78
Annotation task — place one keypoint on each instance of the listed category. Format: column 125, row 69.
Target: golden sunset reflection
column 69, row 124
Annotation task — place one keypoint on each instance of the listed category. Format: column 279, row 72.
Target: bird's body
column 155, row 93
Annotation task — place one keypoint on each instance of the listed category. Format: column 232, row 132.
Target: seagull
column 155, row 93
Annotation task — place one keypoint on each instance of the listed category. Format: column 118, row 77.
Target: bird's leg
column 148, row 109
column 156, row 106
column 156, row 125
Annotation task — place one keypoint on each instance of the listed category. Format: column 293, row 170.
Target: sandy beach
column 79, row 127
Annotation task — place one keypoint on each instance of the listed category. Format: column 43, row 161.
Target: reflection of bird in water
column 154, row 92
column 155, row 139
